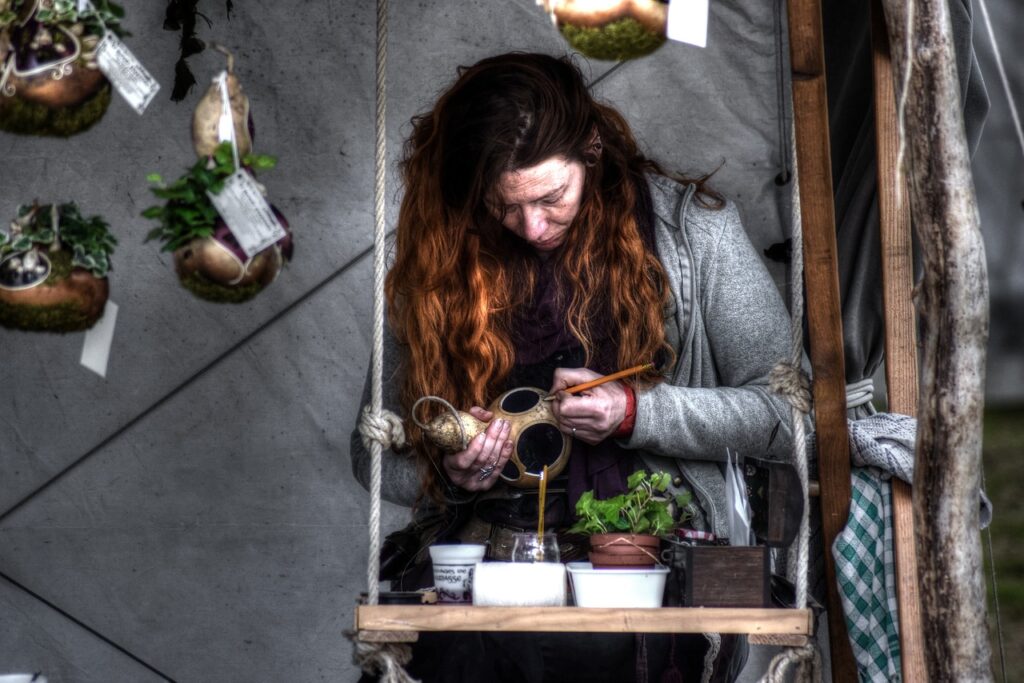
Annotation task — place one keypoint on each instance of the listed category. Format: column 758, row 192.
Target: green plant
column 94, row 17
column 642, row 509
column 87, row 239
column 188, row 213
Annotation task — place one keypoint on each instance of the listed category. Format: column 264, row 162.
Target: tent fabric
column 852, row 136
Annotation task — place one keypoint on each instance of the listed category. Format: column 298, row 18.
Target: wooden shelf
column 415, row 618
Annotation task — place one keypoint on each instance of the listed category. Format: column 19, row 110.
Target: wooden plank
column 900, row 336
column 824, row 316
column 583, row 619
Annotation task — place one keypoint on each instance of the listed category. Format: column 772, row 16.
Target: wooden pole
column 900, row 337
column 824, row 316
column 954, row 306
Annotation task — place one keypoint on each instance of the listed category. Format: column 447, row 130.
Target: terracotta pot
column 624, row 550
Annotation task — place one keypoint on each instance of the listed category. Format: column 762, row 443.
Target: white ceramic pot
column 453, row 570
column 635, row 587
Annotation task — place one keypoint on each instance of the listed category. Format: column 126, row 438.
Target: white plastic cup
column 453, row 570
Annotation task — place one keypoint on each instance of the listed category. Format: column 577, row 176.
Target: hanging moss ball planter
column 611, row 29
column 53, row 267
column 50, row 82
column 216, row 268
column 207, row 258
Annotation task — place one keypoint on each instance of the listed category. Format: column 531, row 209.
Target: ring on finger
column 485, row 472
column 574, row 431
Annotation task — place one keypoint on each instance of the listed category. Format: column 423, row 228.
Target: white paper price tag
column 688, row 22
column 126, row 73
column 247, row 214
column 96, row 348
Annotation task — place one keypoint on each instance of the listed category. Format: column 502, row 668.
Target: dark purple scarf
column 543, row 342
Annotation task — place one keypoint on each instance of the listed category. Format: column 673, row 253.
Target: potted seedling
column 50, row 81
column 53, row 269
column 611, row 29
column 625, row 530
column 625, row 534
column 208, row 259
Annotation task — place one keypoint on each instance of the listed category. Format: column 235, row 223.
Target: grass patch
column 1003, row 457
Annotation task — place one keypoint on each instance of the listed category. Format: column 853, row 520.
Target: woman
column 536, row 246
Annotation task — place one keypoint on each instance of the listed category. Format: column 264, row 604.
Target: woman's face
column 539, row 203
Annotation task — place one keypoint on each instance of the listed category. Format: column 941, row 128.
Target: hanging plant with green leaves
column 53, row 268
column 208, row 259
column 51, row 83
column 188, row 213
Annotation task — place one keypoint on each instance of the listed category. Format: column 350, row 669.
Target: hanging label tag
column 247, row 214
column 96, row 349
column 126, row 73
column 688, row 22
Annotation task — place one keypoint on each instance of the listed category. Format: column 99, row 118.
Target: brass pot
column 533, row 430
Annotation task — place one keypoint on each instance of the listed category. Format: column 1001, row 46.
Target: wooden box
column 727, row 576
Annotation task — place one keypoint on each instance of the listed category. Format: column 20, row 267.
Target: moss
column 623, row 39
column 28, row 118
column 60, row 266
column 221, row 294
column 60, row 318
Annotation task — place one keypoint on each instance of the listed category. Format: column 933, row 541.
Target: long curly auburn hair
column 459, row 277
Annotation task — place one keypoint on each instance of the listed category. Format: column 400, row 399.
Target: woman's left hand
column 590, row 416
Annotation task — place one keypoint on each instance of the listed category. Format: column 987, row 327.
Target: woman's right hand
column 477, row 467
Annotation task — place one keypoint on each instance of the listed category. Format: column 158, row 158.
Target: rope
column 908, row 67
column 384, row 659
column 793, row 379
column 806, row 658
column 373, row 562
column 789, row 380
column 378, row 427
column 384, row 428
column 1002, row 75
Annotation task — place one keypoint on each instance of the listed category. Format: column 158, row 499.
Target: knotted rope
column 385, row 659
column 789, row 380
column 806, row 658
column 377, row 426
column 385, row 428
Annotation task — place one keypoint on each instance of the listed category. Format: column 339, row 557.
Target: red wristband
column 626, row 426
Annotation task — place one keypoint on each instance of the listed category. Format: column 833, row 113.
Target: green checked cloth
column 881, row 447
column 866, row 572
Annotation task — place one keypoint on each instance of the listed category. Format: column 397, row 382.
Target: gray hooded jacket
column 729, row 327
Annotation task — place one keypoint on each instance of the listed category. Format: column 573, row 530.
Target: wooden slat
column 824, row 316
column 900, row 337
column 583, row 620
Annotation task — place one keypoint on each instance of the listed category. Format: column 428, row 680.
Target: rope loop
column 791, row 382
column 385, row 428
column 807, row 660
column 385, row 659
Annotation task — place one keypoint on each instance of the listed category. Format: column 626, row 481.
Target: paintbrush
column 635, row 370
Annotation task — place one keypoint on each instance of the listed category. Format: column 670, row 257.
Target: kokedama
column 53, row 269
column 611, row 29
column 50, row 82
